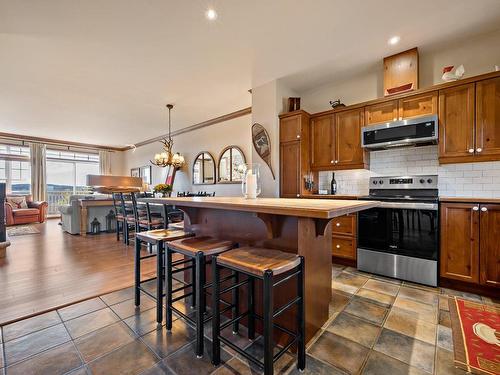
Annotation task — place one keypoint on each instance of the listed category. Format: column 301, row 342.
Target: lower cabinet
column 344, row 236
column 470, row 246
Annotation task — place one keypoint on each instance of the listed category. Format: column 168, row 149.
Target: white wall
column 478, row 55
column 212, row 139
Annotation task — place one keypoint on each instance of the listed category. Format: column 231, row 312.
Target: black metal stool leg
column 117, row 230
column 193, row 283
column 137, row 273
column 199, row 282
column 268, row 323
column 251, row 309
column 168, row 280
column 215, row 313
column 159, row 281
column 301, row 324
column 236, row 302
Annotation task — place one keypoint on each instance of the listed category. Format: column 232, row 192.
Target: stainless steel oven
column 400, row 238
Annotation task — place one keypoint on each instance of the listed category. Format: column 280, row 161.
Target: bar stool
column 158, row 238
column 195, row 250
column 120, row 218
column 263, row 264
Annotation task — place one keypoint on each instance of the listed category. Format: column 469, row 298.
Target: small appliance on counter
column 400, row 238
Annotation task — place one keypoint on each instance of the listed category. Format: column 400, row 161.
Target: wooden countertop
column 314, row 208
column 468, row 200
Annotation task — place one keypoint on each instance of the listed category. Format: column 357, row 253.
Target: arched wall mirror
column 204, row 169
column 231, row 158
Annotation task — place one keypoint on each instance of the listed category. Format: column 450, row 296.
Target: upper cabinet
column 418, row 105
column 291, row 128
column 488, row 118
column 322, row 142
column 407, row 107
column 348, row 151
column 381, row 112
column 456, row 123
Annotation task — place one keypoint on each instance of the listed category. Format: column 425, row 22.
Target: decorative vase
column 251, row 186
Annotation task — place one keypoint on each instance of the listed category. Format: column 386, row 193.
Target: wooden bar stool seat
column 257, row 261
column 164, row 235
column 195, row 250
column 152, row 222
column 206, row 244
column 266, row 265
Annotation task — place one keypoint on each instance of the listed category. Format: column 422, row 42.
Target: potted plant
column 163, row 189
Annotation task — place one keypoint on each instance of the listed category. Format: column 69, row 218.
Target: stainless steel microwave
column 419, row 130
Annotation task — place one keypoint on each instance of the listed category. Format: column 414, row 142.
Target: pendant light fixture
column 167, row 158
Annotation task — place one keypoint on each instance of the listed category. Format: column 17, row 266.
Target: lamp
column 166, row 158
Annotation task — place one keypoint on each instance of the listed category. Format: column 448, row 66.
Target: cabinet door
column 348, row 149
column 490, row 244
column 381, row 112
column 290, row 128
column 322, row 142
column 418, row 105
column 488, row 118
column 456, row 122
column 460, row 241
column 290, row 169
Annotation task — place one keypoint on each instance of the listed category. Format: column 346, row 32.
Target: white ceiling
column 101, row 71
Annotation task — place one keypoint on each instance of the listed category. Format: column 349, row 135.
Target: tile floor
column 376, row 326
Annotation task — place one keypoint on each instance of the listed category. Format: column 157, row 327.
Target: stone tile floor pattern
column 376, row 326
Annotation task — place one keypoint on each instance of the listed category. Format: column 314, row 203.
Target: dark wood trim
column 216, row 120
column 58, row 142
column 468, row 287
column 344, row 261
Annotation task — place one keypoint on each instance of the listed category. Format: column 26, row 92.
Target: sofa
column 70, row 214
column 35, row 212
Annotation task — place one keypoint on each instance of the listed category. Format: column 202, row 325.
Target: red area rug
column 476, row 336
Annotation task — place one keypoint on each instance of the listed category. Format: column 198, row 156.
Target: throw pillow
column 17, row 202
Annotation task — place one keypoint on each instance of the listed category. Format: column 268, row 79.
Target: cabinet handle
column 338, row 246
column 475, row 208
column 484, row 209
column 331, row 161
column 338, row 224
column 298, row 135
column 298, row 195
column 479, row 149
column 471, row 150
column 394, row 119
column 336, row 161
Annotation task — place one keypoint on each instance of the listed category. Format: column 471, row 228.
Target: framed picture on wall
column 135, row 172
column 145, row 173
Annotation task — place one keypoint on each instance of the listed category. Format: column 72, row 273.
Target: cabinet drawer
column 344, row 247
column 344, row 225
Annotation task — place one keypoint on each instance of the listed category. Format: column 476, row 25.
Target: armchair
column 35, row 213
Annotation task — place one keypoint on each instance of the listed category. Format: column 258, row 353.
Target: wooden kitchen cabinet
column 290, row 169
column 470, row 249
column 460, row 241
column 487, row 143
column 344, row 236
column 456, row 123
column 323, row 142
column 348, row 151
column 294, row 154
column 489, row 254
column 381, row 112
column 418, row 105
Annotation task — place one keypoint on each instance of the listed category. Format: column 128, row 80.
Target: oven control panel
column 404, row 182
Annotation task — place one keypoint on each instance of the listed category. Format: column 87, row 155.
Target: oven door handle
column 409, row 205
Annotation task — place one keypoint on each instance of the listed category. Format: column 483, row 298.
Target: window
column 15, row 169
column 67, row 175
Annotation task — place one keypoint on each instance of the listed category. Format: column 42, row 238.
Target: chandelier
column 167, row 158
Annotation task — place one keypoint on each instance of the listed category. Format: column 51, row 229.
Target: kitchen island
column 299, row 226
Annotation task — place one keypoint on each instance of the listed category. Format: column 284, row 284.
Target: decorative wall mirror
column 204, row 169
column 231, row 158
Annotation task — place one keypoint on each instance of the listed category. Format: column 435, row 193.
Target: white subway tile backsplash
column 461, row 180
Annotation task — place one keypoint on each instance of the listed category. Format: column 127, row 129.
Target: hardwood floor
column 52, row 269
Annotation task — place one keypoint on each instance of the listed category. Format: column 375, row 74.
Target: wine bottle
column 333, row 185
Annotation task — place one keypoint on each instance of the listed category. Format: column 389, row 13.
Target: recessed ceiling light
column 211, row 14
column 394, row 40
